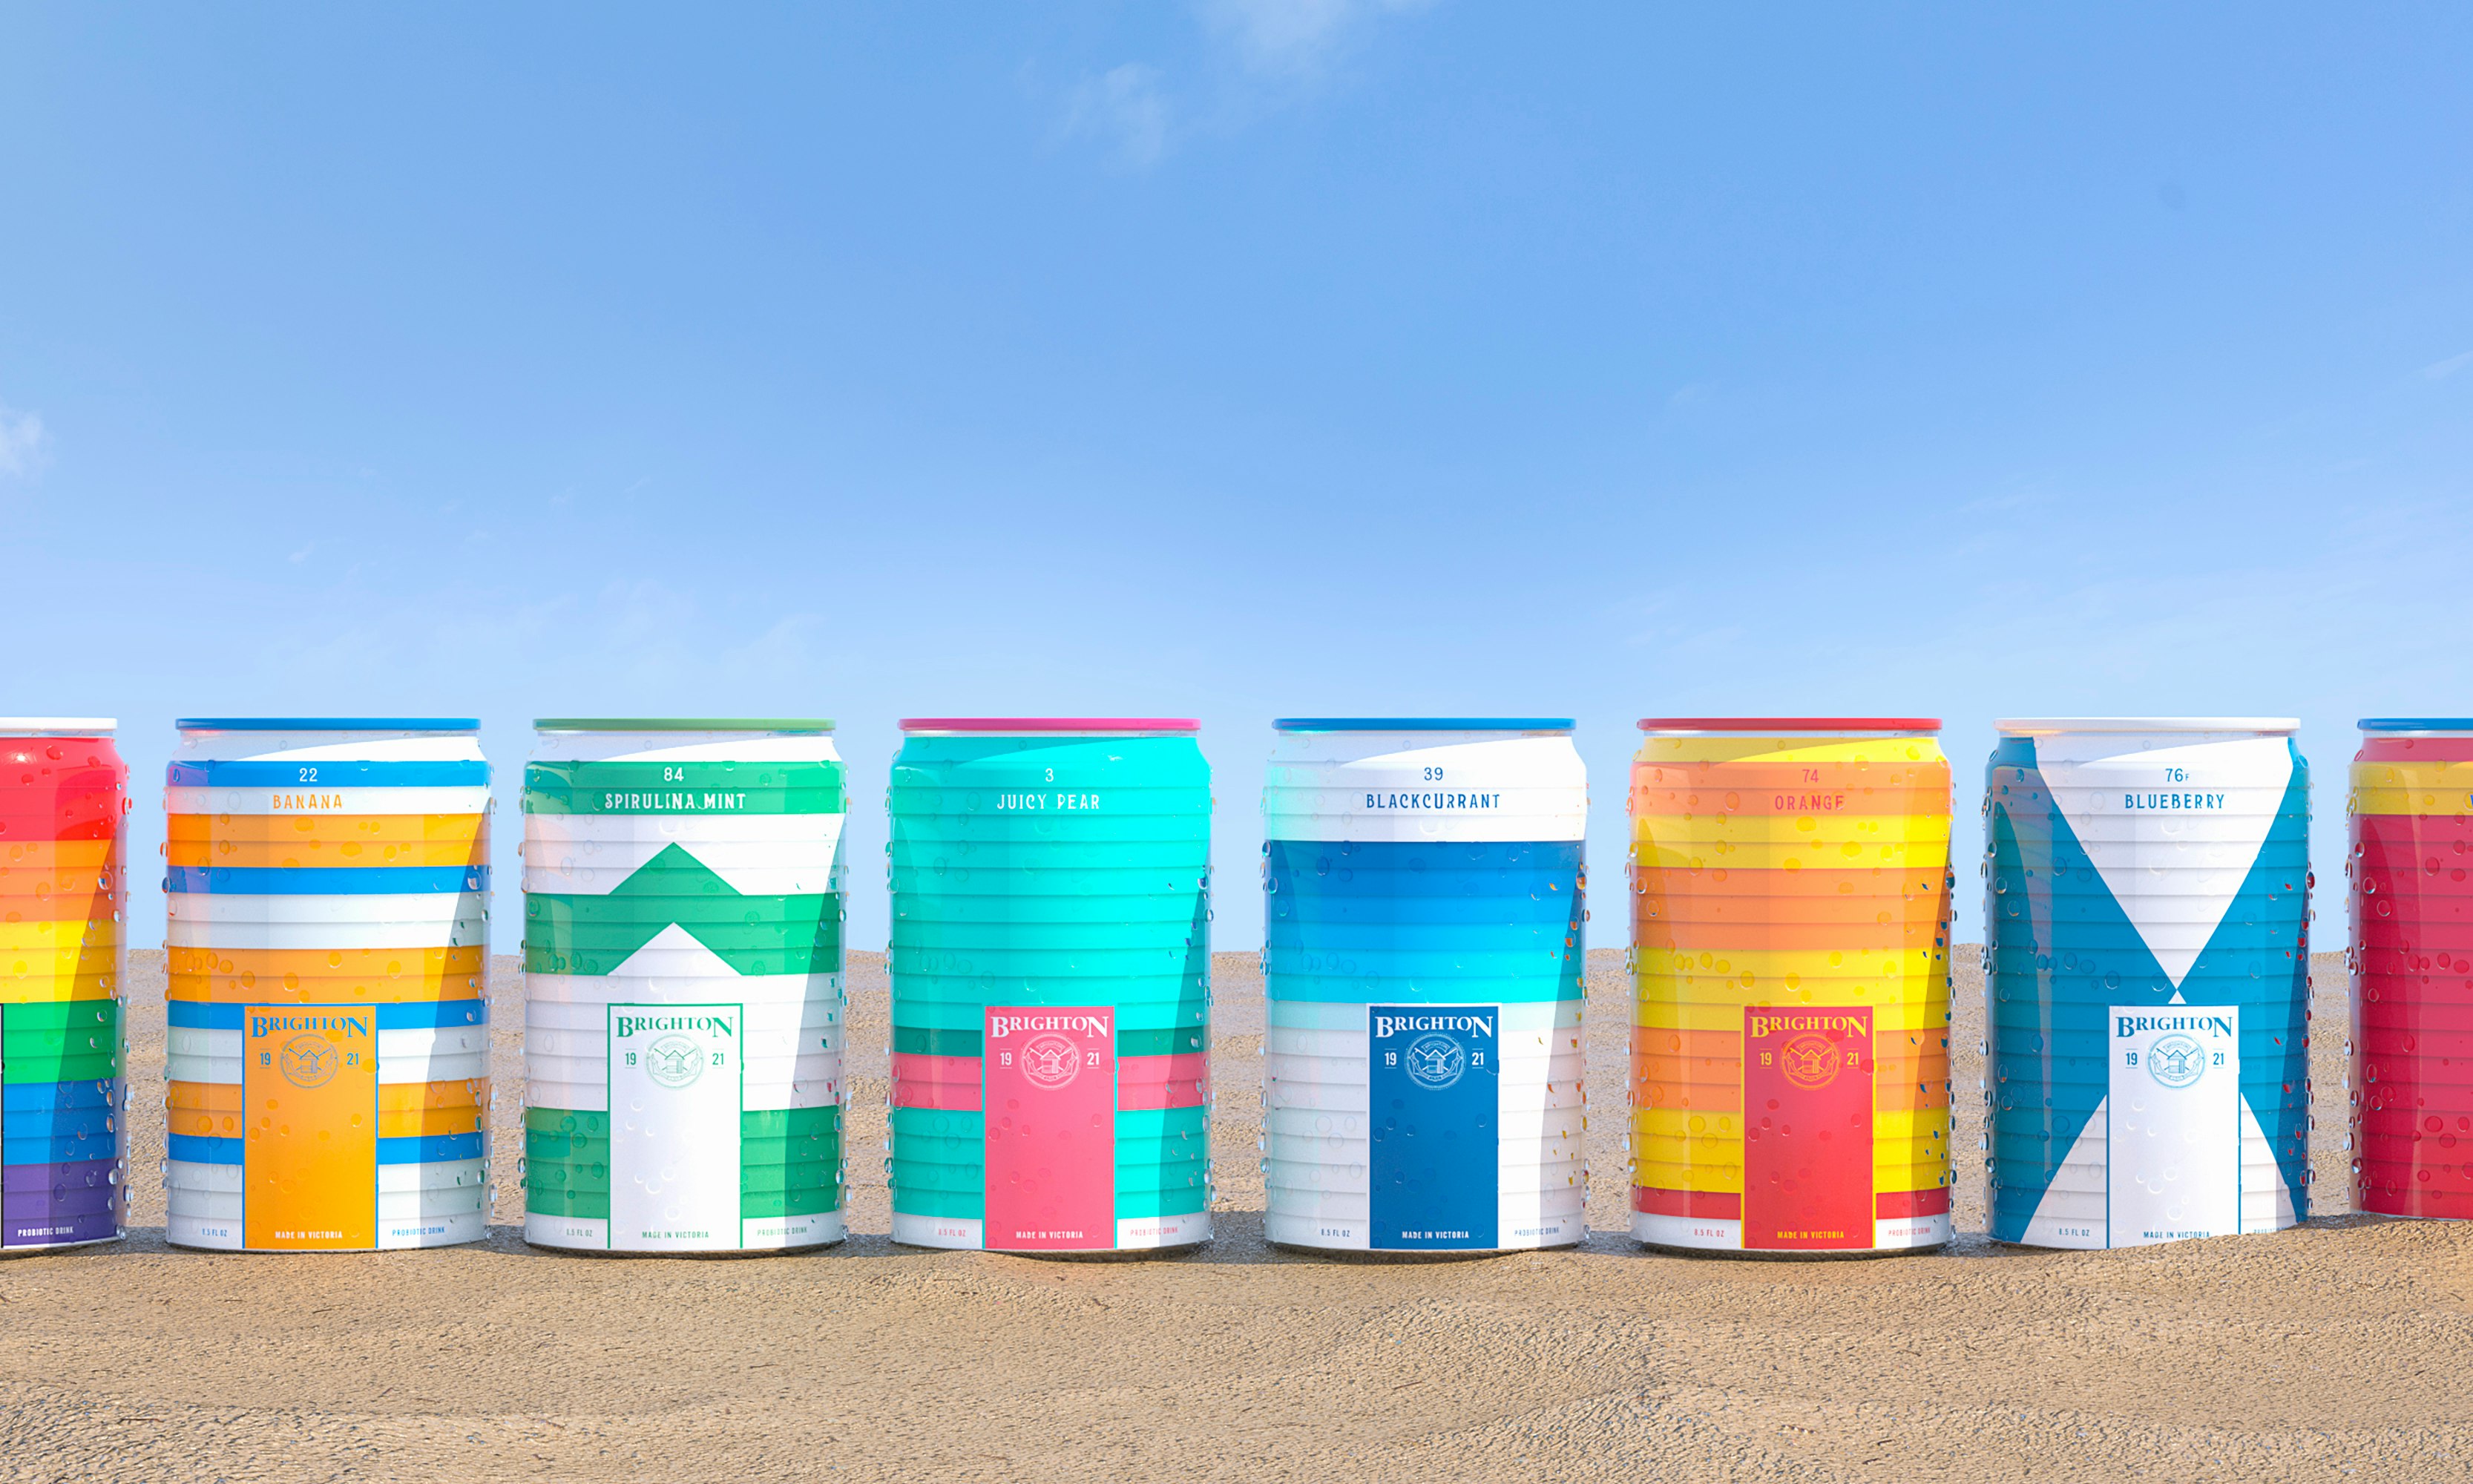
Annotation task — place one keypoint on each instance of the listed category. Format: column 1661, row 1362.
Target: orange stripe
column 329, row 829
column 1873, row 883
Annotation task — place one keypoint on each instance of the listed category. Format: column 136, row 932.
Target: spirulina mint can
column 683, row 992
column 1051, row 967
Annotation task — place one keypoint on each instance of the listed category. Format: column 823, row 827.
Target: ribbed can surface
column 1050, row 965
column 2148, row 979
column 327, row 886
column 1791, row 912
column 63, row 962
column 683, row 991
column 2411, row 874
column 1423, row 948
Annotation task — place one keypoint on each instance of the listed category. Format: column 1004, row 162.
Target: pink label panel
column 949, row 1083
column 1150, row 1082
column 1051, row 1128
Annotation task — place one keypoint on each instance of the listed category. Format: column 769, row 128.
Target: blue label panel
column 1434, row 1075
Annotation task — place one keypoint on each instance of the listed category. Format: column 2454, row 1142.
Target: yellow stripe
column 2412, row 801
column 65, row 936
column 1824, row 831
column 57, row 989
column 1788, row 749
column 1791, row 855
column 1790, row 966
column 1890, row 1015
column 1668, row 1133
column 1727, row 1178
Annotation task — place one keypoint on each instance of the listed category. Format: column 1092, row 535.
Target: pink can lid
column 1049, row 724
column 1790, row 724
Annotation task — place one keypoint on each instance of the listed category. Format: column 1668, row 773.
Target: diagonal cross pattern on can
column 1422, row 915
column 1791, row 912
column 1051, row 966
column 2411, row 874
column 2148, row 979
column 64, row 959
column 684, row 985
column 326, row 885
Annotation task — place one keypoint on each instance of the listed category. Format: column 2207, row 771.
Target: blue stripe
column 412, row 1016
column 197, row 1149
column 429, row 1148
column 425, row 1149
column 325, row 881
column 57, row 1123
column 328, row 773
column 65, row 1149
column 31, row 1097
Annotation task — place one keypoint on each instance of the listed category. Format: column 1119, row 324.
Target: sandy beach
column 2330, row 1351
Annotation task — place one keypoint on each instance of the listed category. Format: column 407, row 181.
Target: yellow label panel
column 309, row 1083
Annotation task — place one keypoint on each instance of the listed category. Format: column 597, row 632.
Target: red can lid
column 1790, row 724
column 1049, row 724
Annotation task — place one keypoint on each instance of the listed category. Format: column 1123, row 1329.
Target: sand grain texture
column 2334, row 1351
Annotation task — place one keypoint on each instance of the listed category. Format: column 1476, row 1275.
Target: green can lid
column 682, row 724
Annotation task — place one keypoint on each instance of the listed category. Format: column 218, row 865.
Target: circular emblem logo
column 2176, row 1061
column 674, row 1061
column 1810, row 1060
column 1050, row 1060
column 1436, row 1061
column 309, row 1060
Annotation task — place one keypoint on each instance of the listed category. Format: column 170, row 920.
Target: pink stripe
column 948, row 1083
column 1151, row 1082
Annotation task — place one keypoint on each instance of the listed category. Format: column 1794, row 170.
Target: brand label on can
column 1807, row 1128
column 2172, row 1129
column 676, row 1076
column 309, row 1126
column 1435, row 1076
column 1050, row 1116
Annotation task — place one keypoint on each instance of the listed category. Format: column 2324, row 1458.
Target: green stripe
column 589, row 1204
column 560, row 1179
column 959, row 1205
column 94, row 1067
column 757, row 1204
column 755, row 1123
column 925, row 1041
column 594, row 935
column 930, row 1123
column 60, row 1016
column 1136, row 1205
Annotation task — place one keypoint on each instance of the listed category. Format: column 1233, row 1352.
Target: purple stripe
column 55, row 1229
column 33, row 1180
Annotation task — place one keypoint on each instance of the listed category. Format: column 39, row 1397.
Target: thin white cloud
column 21, row 440
column 1292, row 36
column 1126, row 108
column 2440, row 371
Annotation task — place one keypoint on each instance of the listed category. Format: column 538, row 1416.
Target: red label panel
column 1051, row 1128
column 1807, row 1128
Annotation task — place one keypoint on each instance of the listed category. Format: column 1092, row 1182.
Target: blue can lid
column 2415, row 724
column 1422, row 724
column 327, row 724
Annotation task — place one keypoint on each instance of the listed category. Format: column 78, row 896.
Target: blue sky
column 1238, row 359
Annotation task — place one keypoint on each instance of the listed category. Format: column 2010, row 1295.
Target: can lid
column 1790, row 724
column 1049, row 724
column 2034, row 726
column 2415, row 724
column 682, row 724
column 1422, row 724
column 57, row 725
column 327, row 724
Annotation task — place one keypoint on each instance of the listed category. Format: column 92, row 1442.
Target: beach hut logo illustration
column 674, row 1061
column 310, row 1061
column 1809, row 1060
column 2176, row 1061
column 1050, row 1060
column 1436, row 1061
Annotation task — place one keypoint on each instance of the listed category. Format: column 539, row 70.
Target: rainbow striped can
column 64, row 1100
column 1423, row 920
column 2410, row 871
column 1790, row 910
column 683, row 978
column 2147, row 926
column 1051, row 984
column 327, row 1057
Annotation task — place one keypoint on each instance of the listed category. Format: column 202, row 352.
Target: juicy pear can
column 1423, row 883
column 684, row 985
column 64, row 959
column 327, row 1055
column 1790, row 1054
column 1051, row 959
column 2148, row 979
